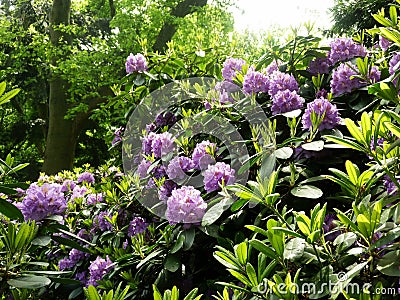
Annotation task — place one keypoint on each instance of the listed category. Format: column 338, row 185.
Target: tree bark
column 62, row 135
column 168, row 30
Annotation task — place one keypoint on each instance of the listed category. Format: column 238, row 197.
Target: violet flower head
column 329, row 227
column 178, row 166
column 319, row 66
column 86, row 177
column 321, row 107
column 280, row 81
column 68, row 185
column 136, row 226
column 166, row 189
column 344, row 49
column 143, row 168
column 203, row 155
column 151, row 127
column 93, row 199
column 285, row 101
column 136, row 63
column 162, row 144
column 322, row 93
column 98, row 269
column 185, row 206
column 225, row 89
column 82, row 277
column 117, row 136
column 394, row 63
column 390, row 186
column 100, row 222
column 216, row 175
column 78, row 192
column 159, row 172
column 342, row 81
column 231, row 66
column 272, row 67
column 384, row 43
column 43, row 201
column 165, row 119
column 255, row 82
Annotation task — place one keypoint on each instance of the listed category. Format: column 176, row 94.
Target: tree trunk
column 168, row 30
column 62, row 134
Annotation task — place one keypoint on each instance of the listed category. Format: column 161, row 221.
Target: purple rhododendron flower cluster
column 280, row 81
column 178, row 166
column 185, row 206
column 344, row 49
column 384, row 43
column 321, row 107
column 136, row 63
column 255, row 82
column 166, row 189
column 272, row 67
column 74, row 257
column 143, row 168
column 343, row 80
column 394, row 63
column 98, row 269
column 86, row 177
column 101, row 223
column 389, row 185
column 285, row 101
column 165, row 119
column 93, row 199
column 158, row 144
column 117, row 136
column 203, row 154
column 216, row 175
column 138, row 225
column 231, row 66
column 319, row 66
column 43, row 201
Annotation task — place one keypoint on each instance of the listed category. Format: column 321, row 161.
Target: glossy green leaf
column 306, row 191
column 29, row 282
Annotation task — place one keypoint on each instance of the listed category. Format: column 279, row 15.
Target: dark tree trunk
column 168, row 30
column 62, row 133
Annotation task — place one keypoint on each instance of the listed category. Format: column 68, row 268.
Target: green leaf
column 284, row 153
column 251, row 274
column 294, row 249
column 43, row 240
column 178, row 244
column 313, row 146
column 10, row 210
column 393, row 14
column 8, row 96
column 393, row 129
column 29, row 282
column 70, row 243
column 91, row 293
column 263, row 248
column 241, row 252
column 344, row 280
column 2, row 87
column 345, row 240
column 189, row 238
column 344, row 142
column 241, row 277
column 389, row 264
column 352, row 171
column 257, row 229
column 306, row 191
column 354, row 131
column 172, row 263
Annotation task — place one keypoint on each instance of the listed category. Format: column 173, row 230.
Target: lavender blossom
column 117, row 136
column 185, row 206
column 136, row 63
column 166, row 189
column 165, row 119
column 319, row 66
column 178, row 166
column 43, row 201
column 281, row 81
column 86, row 177
column 344, row 49
column 321, row 108
column 93, row 199
column 329, row 227
column 272, row 67
column 255, row 82
column 216, row 175
column 230, row 68
column 384, row 43
column 138, row 225
column 78, row 192
column 68, row 185
column 203, row 154
column 100, row 222
column 285, row 101
column 98, row 269
column 390, row 186
column 394, row 63
column 143, row 168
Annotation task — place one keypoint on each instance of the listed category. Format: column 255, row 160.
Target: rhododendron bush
column 278, row 179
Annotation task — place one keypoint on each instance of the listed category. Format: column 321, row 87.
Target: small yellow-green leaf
column 352, row 171
column 354, row 131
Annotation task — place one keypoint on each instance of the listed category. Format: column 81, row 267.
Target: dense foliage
column 274, row 178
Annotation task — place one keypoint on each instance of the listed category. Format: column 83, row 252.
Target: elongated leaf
column 29, row 282
column 10, row 210
column 344, row 142
column 306, row 191
column 352, row 171
column 70, row 243
column 263, row 248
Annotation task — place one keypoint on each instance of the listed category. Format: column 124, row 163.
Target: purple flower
column 281, row 81
column 343, row 80
column 321, row 107
column 68, row 185
column 165, row 119
column 136, row 226
column 136, row 63
column 117, row 136
column 272, row 67
column 321, row 94
column 178, row 166
column 394, row 63
column 216, row 175
column 185, row 206
column 319, row 66
column 78, row 192
column 344, row 49
column 82, row 277
column 151, row 127
column 166, row 189
column 389, row 185
column 255, row 82
column 43, row 201
column 93, row 199
column 384, row 43
column 158, row 144
column 143, row 168
column 100, row 222
column 86, row 177
column 225, row 89
column 230, row 68
column 203, row 154
column 329, row 227
column 64, row 264
column 285, row 101
column 159, row 172
column 98, row 269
